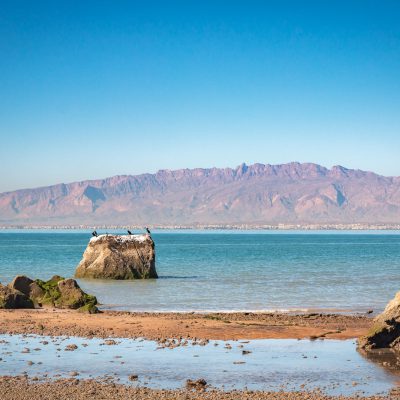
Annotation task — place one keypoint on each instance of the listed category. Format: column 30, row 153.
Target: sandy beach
column 158, row 326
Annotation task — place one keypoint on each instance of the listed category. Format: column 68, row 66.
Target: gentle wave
column 295, row 310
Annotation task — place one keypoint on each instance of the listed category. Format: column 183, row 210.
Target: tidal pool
column 333, row 366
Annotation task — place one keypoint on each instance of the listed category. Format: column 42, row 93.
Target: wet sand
column 12, row 388
column 157, row 326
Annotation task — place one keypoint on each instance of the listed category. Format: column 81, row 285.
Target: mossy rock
column 89, row 307
column 57, row 292
column 72, row 296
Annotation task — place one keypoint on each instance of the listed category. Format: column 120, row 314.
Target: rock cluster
column 57, row 292
column 385, row 331
column 118, row 257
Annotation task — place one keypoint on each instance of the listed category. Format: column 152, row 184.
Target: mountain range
column 296, row 193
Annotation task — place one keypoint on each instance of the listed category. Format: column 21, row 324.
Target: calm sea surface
column 202, row 271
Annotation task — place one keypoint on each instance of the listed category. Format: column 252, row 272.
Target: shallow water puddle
column 331, row 365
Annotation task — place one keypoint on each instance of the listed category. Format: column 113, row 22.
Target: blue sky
column 90, row 89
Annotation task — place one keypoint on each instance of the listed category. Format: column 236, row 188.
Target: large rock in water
column 118, row 257
column 385, row 331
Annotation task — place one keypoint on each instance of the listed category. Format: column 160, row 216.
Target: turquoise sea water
column 225, row 271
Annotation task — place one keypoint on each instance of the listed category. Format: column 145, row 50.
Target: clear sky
column 90, row 89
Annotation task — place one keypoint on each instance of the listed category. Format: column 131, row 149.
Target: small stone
column 198, row 384
column 109, row 342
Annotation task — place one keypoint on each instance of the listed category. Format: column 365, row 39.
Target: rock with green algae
column 65, row 293
column 385, row 330
column 57, row 292
column 72, row 296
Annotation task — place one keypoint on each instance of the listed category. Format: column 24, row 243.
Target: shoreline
column 284, row 311
column 22, row 388
column 207, row 326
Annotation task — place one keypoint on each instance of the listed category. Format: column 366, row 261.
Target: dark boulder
column 21, row 283
column 11, row 298
column 385, row 330
column 27, row 286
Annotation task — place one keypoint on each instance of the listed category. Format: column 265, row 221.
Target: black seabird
column 147, row 230
column 94, row 233
column 129, row 233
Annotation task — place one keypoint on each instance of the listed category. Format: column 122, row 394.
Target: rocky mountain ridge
column 255, row 194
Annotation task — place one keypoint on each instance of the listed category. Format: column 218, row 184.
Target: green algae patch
column 59, row 292
column 213, row 317
column 51, row 292
column 90, row 306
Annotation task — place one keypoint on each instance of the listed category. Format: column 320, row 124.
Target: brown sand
column 156, row 326
column 19, row 388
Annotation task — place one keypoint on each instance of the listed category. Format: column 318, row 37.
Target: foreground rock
column 57, row 292
column 385, row 331
column 118, row 257
column 10, row 298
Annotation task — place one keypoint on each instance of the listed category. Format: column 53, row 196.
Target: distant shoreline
column 238, row 227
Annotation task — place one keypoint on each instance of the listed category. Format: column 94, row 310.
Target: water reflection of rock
column 388, row 359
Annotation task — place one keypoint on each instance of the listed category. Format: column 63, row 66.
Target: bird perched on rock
column 129, row 232
column 94, row 233
column 147, row 230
